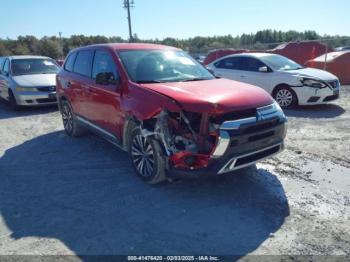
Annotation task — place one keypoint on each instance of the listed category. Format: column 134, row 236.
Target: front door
column 249, row 72
column 103, row 100
column 5, row 80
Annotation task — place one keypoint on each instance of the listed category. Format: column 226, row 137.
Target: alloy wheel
column 284, row 97
column 142, row 156
column 67, row 118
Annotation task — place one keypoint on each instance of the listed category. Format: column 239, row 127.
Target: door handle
column 243, row 76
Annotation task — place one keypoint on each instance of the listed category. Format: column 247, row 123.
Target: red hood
column 213, row 96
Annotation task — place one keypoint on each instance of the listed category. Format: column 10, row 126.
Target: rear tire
column 71, row 124
column 13, row 102
column 147, row 158
column 285, row 97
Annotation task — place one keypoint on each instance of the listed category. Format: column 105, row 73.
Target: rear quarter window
column 83, row 63
column 70, row 62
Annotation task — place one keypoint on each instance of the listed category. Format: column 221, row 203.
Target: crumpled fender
column 151, row 103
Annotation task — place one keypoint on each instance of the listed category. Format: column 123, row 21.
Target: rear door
column 228, row 68
column 80, row 80
column 103, row 100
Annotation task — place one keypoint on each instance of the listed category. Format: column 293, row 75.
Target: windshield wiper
column 148, row 81
column 195, row 79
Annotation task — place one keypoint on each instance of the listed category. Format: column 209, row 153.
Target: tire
column 285, row 97
column 147, row 158
column 71, row 125
column 12, row 102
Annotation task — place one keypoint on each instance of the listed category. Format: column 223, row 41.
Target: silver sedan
column 28, row 80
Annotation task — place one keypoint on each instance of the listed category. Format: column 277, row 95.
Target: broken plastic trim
column 165, row 134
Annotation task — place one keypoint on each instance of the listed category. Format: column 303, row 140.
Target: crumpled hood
column 213, row 96
column 313, row 73
column 35, row 80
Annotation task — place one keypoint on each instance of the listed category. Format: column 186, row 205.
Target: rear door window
column 228, row 63
column 250, row 64
column 83, row 63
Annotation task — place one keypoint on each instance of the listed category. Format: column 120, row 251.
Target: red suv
column 170, row 114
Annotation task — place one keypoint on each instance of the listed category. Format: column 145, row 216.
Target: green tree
column 51, row 48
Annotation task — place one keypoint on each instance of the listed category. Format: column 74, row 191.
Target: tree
column 3, row 49
column 51, row 48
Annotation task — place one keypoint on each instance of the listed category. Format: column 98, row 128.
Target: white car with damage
column 288, row 82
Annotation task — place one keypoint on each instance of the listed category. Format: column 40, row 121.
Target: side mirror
column 263, row 69
column 106, row 78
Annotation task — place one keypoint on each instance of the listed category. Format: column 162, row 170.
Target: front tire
column 13, row 102
column 71, row 125
column 147, row 159
column 285, row 97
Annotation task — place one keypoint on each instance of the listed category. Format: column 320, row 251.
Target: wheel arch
column 279, row 86
column 60, row 100
column 130, row 124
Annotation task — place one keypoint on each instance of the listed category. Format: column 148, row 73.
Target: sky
column 171, row 18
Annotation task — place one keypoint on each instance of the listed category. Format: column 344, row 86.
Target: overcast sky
column 173, row 18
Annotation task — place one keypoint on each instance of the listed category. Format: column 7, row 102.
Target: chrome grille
column 47, row 88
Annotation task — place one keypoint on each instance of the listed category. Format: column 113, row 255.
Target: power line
column 127, row 5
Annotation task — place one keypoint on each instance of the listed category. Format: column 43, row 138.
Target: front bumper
column 315, row 96
column 245, row 142
column 30, row 98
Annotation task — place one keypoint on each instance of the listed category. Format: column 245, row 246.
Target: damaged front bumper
column 241, row 143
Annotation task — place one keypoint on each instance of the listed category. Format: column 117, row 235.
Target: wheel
column 147, row 158
column 285, row 97
column 70, row 123
column 12, row 101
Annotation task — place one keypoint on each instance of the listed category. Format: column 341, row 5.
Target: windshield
column 33, row 66
column 278, row 62
column 156, row 66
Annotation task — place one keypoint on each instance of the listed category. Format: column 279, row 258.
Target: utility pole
column 127, row 5
column 61, row 44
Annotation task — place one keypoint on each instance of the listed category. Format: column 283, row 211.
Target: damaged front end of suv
column 188, row 123
column 183, row 144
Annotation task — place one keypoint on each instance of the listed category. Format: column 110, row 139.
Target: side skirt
column 101, row 132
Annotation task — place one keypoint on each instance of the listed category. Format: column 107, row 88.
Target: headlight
column 313, row 83
column 279, row 109
column 26, row 89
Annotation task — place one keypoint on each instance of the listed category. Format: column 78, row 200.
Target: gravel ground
column 60, row 195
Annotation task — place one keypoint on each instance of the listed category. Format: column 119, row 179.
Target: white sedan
column 288, row 82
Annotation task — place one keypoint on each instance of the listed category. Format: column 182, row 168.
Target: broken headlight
column 313, row 83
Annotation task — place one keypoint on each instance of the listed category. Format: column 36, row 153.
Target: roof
column 331, row 56
column 27, row 57
column 252, row 54
column 131, row 46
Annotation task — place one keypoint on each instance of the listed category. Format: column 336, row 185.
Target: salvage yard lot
column 61, row 195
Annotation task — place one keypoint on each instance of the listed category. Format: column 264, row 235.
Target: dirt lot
column 60, row 195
